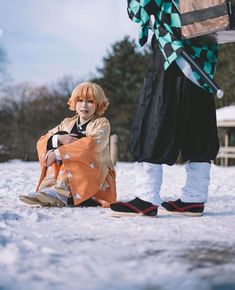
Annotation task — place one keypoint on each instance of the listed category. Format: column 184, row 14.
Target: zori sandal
column 135, row 207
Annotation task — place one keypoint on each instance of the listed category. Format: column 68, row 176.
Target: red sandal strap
column 149, row 209
column 130, row 206
column 181, row 209
column 137, row 210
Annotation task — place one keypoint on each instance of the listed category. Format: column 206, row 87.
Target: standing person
column 76, row 169
column 174, row 115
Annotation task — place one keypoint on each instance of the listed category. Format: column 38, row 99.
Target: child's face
column 85, row 109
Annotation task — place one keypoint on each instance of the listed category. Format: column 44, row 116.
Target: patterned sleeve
column 167, row 30
column 100, row 133
column 140, row 11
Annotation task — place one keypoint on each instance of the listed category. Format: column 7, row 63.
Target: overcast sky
column 47, row 39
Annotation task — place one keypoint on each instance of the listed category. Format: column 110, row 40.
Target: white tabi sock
column 197, row 183
column 148, row 182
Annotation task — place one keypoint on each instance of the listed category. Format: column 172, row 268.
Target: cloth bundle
column 214, row 19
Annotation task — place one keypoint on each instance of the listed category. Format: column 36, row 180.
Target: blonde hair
column 89, row 90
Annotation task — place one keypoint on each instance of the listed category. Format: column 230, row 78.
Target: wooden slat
column 226, row 152
column 226, row 155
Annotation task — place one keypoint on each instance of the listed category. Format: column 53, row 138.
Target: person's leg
column 156, row 127
column 199, row 146
column 194, row 193
column 51, row 197
column 156, row 131
column 195, row 189
column 148, row 181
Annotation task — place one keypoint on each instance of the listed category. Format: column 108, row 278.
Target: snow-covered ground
column 86, row 249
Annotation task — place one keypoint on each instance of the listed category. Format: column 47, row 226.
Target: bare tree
column 26, row 113
column 3, row 63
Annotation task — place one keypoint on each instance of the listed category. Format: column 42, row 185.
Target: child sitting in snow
column 76, row 169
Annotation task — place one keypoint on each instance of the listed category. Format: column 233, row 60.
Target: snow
column 85, row 248
column 226, row 113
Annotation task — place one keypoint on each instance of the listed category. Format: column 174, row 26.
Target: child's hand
column 67, row 138
column 50, row 159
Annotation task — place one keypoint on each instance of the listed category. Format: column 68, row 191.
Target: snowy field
column 86, row 249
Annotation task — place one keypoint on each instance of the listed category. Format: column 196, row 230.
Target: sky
column 48, row 39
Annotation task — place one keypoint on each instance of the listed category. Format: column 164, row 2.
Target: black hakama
column 173, row 115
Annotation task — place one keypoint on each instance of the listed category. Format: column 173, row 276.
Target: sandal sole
column 129, row 214
column 30, row 200
column 177, row 213
column 50, row 200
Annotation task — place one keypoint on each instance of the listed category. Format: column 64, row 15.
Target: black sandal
column 134, row 207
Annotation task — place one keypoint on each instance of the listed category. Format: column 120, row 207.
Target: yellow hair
column 91, row 91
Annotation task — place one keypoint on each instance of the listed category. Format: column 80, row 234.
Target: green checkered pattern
column 167, row 29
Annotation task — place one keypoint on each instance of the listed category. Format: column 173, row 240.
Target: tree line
column 27, row 111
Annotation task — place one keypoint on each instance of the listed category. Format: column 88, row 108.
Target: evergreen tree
column 121, row 78
column 225, row 75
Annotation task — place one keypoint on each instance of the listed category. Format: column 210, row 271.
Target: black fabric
column 138, row 203
column 49, row 141
column 179, row 206
column 87, row 203
column 173, row 115
column 79, row 130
